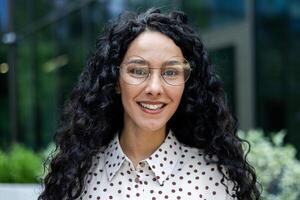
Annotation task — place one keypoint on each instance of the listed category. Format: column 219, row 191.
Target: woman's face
column 150, row 104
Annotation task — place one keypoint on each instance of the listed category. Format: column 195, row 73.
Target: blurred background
column 44, row 45
column 254, row 45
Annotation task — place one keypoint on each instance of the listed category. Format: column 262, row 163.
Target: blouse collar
column 161, row 162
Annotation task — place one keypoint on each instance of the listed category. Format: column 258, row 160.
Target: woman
column 147, row 120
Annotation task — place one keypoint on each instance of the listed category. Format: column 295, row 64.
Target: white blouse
column 173, row 171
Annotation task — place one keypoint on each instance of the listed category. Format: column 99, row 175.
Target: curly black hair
column 94, row 112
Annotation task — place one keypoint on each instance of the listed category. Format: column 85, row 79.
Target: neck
column 139, row 144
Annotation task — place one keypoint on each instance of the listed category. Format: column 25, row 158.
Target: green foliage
column 4, row 175
column 20, row 165
column 276, row 166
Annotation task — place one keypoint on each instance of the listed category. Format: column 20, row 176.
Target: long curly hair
column 94, row 112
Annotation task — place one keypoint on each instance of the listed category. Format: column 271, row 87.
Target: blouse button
column 142, row 164
column 137, row 180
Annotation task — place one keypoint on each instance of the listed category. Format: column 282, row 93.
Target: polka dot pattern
column 173, row 171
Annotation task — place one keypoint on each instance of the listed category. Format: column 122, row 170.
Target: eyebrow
column 143, row 61
column 136, row 61
column 171, row 62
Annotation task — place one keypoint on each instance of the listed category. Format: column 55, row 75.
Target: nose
column 154, row 83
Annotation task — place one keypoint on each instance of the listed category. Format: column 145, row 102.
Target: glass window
column 4, row 98
column 277, row 67
column 214, row 13
column 223, row 59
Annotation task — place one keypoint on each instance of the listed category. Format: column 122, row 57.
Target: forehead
column 153, row 46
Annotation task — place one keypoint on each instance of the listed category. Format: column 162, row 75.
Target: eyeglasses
column 175, row 71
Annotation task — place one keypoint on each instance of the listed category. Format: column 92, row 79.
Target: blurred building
column 255, row 46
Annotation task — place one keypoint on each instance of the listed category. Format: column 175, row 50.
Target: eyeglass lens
column 174, row 72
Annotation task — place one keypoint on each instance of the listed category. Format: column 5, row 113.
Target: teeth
column 152, row 106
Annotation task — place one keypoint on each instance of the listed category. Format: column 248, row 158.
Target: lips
column 151, row 106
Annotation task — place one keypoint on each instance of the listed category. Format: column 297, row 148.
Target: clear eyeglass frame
column 175, row 71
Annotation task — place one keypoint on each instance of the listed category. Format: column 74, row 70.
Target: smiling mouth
column 152, row 106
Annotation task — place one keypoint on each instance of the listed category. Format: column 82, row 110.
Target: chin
column 153, row 127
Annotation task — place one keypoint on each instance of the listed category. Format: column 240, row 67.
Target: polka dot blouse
column 173, row 171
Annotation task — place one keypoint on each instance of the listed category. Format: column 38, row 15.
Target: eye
column 170, row 72
column 137, row 71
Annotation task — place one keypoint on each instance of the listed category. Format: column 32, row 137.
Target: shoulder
column 206, row 171
column 197, row 159
column 192, row 154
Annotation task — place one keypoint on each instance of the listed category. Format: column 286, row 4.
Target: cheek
column 125, row 97
column 176, row 94
column 128, row 93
